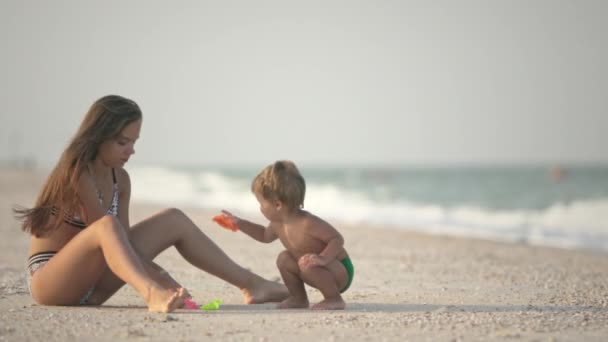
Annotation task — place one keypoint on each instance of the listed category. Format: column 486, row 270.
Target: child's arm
column 256, row 231
column 334, row 246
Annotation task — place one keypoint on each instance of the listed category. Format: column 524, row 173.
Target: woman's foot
column 264, row 291
column 183, row 296
column 164, row 300
column 336, row 303
column 293, row 303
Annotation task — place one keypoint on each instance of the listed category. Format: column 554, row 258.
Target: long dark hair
column 106, row 118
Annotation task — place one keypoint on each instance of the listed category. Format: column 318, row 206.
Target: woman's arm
column 155, row 271
column 124, row 196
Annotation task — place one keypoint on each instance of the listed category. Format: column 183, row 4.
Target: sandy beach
column 407, row 287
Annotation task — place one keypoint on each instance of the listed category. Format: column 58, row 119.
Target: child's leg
column 291, row 276
column 329, row 280
column 172, row 228
column 80, row 263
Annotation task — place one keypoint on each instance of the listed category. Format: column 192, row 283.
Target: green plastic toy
column 212, row 305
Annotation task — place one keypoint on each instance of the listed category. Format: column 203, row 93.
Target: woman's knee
column 109, row 221
column 106, row 223
column 174, row 216
column 173, row 213
column 178, row 220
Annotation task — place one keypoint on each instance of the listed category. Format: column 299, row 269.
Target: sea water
column 566, row 207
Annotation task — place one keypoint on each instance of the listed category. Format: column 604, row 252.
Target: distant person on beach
column 314, row 253
column 557, row 174
column 83, row 247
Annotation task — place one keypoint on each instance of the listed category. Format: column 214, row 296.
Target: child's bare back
column 300, row 236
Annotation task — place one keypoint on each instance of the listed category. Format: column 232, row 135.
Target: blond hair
column 281, row 181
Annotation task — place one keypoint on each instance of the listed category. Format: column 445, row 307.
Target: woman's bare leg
column 172, row 227
column 81, row 262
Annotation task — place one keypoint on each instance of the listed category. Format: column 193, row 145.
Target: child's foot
column 163, row 300
column 330, row 304
column 264, row 291
column 293, row 303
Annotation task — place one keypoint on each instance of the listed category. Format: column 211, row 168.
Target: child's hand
column 311, row 260
column 235, row 218
column 227, row 220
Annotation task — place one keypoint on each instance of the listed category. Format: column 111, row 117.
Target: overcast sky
column 366, row 82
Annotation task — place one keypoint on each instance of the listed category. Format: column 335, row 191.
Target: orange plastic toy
column 226, row 222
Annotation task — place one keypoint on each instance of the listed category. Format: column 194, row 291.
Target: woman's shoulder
column 121, row 172
column 122, row 178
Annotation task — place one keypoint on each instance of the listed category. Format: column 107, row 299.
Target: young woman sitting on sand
column 83, row 248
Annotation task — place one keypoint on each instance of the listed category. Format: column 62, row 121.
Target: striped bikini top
column 77, row 222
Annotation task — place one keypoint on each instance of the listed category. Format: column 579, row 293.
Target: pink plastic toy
column 190, row 304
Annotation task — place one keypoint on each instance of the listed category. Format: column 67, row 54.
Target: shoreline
column 566, row 238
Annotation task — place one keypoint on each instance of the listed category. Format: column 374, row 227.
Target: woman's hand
column 185, row 292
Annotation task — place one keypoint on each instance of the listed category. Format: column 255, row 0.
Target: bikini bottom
column 37, row 261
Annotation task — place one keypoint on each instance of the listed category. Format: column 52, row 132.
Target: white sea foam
column 576, row 224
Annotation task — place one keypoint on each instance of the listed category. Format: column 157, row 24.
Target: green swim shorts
column 350, row 269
